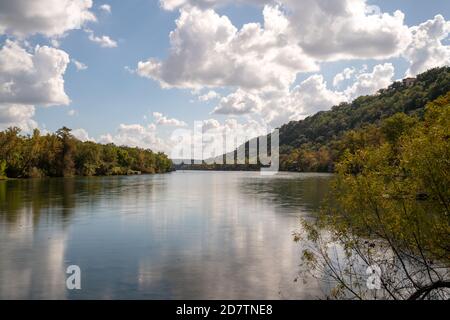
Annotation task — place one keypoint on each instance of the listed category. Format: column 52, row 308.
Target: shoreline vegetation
column 60, row 154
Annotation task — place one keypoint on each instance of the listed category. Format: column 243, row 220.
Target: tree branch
column 427, row 289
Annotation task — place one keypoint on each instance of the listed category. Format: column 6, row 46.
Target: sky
column 137, row 72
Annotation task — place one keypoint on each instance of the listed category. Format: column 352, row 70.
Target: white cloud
column 103, row 41
column 260, row 62
column 51, row 18
column 17, row 115
column 312, row 95
column 426, row 50
column 129, row 70
column 208, row 138
column 237, row 103
column 347, row 29
column 309, row 97
column 236, row 133
column 32, row 78
column 54, row 42
column 369, row 83
column 332, row 29
column 79, row 65
column 29, row 79
column 346, row 74
column 136, row 135
column 105, row 8
column 278, row 107
column 207, row 50
column 82, row 135
column 162, row 120
column 210, row 95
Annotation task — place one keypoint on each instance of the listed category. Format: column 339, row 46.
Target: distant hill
column 311, row 144
column 398, row 97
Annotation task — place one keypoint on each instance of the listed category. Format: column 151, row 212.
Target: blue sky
column 106, row 94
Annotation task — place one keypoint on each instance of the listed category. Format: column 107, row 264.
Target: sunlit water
column 184, row 235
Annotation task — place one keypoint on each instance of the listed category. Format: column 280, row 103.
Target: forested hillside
column 316, row 143
column 60, row 154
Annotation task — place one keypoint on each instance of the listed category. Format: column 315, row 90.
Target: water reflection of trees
column 37, row 197
column 302, row 190
column 56, row 199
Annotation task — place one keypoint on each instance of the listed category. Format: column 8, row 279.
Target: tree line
column 60, row 154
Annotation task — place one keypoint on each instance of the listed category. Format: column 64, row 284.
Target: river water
column 183, row 235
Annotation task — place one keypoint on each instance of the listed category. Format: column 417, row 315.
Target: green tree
column 87, row 158
column 66, row 165
column 396, row 126
column 2, row 169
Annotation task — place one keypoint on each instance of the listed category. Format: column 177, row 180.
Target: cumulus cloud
column 278, row 107
column 82, row 134
column 105, row 8
column 346, row 74
column 32, row 78
column 207, row 50
column 313, row 95
column 79, row 65
column 50, row 18
column 332, row 29
column 369, row 83
column 347, row 29
column 136, row 135
column 208, row 139
column 426, row 50
column 210, row 95
column 17, row 115
column 162, row 120
column 28, row 79
column 236, row 133
column 309, row 97
column 238, row 103
column 103, row 41
column 260, row 62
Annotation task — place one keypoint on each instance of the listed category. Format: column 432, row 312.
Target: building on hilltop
column 408, row 82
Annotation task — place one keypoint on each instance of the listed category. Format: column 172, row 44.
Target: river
column 183, row 235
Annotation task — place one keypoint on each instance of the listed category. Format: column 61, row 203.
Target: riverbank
column 81, row 176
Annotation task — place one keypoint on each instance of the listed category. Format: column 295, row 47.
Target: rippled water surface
column 184, row 235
